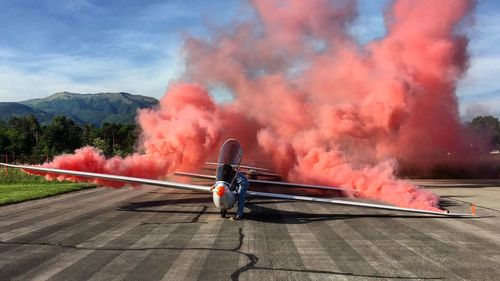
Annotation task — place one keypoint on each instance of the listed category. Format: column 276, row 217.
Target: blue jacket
column 241, row 182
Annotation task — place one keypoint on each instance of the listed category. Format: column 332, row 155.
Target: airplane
column 223, row 193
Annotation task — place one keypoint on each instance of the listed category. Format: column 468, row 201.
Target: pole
column 6, row 161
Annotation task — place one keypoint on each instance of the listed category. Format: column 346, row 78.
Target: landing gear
column 223, row 213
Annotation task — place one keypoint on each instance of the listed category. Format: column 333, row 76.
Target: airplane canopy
column 230, row 157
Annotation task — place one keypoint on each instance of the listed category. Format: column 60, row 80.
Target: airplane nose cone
column 220, row 190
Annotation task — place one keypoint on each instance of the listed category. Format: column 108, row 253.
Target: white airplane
column 223, row 193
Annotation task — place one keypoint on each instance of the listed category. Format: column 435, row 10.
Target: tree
column 62, row 135
column 89, row 134
column 487, row 126
column 99, row 144
column 108, row 133
column 120, row 139
column 22, row 134
column 127, row 134
column 4, row 139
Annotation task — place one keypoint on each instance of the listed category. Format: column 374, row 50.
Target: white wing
column 193, row 175
column 241, row 166
column 288, row 184
column 113, row 177
column 207, row 189
column 259, row 171
column 324, row 200
column 353, row 204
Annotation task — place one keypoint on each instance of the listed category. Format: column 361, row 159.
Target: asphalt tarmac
column 164, row 234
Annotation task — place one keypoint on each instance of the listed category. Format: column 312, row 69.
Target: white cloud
column 469, row 110
column 482, row 76
column 25, row 77
column 479, row 91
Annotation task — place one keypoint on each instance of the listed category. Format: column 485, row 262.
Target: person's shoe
column 236, row 218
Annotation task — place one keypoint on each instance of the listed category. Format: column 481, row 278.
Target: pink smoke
column 324, row 108
column 333, row 111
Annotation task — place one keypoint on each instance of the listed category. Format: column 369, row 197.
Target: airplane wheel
column 223, row 213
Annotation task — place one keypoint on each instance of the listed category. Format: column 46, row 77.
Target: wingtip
column 462, row 215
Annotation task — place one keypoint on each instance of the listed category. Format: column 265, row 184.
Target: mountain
column 82, row 108
column 15, row 109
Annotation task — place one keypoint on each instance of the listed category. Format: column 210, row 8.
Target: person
column 241, row 187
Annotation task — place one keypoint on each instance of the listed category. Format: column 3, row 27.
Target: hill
column 15, row 109
column 83, row 108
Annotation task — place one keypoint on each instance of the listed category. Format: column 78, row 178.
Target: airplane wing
column 322, row 200
column 279, row 183
column 193, row 175
column 241, row 166
column 265, row 174
column 113, row 177
column 257, row 170
column 207, row 189
column 354, row 204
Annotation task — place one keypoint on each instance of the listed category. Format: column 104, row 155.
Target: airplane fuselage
column 223, row 197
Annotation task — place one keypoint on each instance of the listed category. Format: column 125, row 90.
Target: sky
column 85, row 46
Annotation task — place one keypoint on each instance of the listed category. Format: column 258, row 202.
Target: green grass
column 17, row 186
column 11, row 175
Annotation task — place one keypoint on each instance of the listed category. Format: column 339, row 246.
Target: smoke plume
column 322, row 107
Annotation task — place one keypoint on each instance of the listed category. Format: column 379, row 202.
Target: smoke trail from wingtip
column 324, row 108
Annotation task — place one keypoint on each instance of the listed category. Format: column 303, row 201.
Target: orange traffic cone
column 473, row 209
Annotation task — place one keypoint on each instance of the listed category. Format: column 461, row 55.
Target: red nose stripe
column 220, row 190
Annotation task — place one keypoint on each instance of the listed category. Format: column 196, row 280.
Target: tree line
column 487, row 127
column 25, row 138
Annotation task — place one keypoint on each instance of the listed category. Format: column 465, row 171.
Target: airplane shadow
column 163, row 202
column 260, row 213
column 445, row 202
column 149, row 207
column 464, row 184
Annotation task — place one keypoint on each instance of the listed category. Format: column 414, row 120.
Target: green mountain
column 15, row 109
column 82, row 108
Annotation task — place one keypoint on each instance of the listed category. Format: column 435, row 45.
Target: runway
column 163, row 234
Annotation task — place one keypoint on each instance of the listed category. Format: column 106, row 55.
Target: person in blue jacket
column 241, row 186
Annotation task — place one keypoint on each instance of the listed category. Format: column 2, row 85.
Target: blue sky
column 86, row 46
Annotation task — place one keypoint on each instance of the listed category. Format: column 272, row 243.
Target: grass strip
column 17, row 186
column 19, row 192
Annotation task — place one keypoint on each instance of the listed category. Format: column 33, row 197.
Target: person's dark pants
column 242, row 190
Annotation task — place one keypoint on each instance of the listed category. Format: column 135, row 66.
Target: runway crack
column 197, row 217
